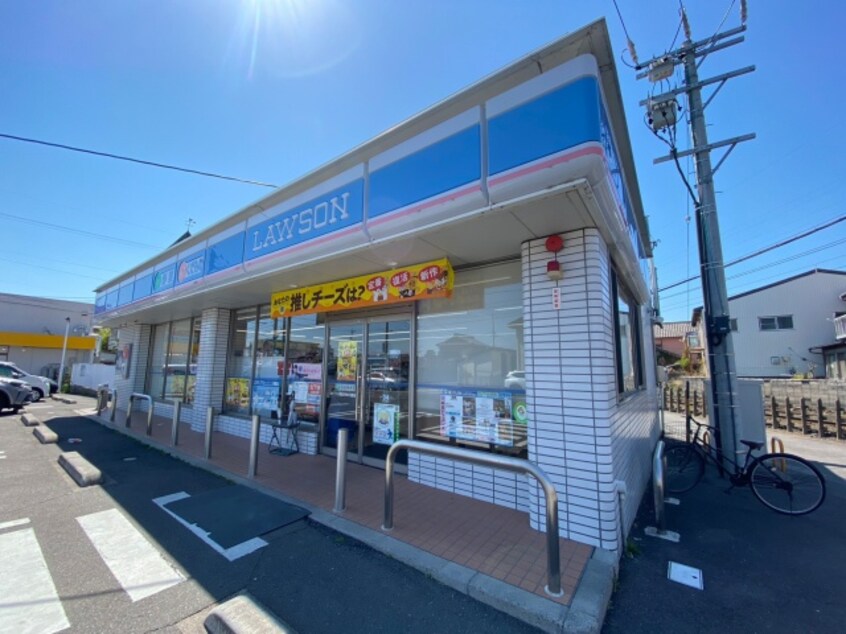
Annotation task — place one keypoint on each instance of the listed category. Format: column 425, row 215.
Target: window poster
column 347, row 360
column 479, row 415
column 238, row 393
column 266, row 394
column 385, row 423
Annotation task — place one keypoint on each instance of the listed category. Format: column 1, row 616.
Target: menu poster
column 300, row 391
column 477, row 415
column 313, row 398
column 450, row 415
column 385, row 423
column 347, row 360
column 266, row 394
column 238, row 393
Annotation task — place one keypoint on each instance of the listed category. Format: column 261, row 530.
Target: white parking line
column 135, row 563
column 28, row 598
column 235, row 552
column 13, row 523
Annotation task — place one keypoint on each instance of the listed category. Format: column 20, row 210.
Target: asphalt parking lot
column 762, row 572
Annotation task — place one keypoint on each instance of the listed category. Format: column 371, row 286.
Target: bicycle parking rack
column 660, row 529
column 515, row 465
column 137, row 396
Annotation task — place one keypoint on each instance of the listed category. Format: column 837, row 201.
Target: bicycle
column 781, row 481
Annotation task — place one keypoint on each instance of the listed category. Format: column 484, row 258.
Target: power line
column 47, row 268
column 82, row 232
column 777, row 245
column 119, row 157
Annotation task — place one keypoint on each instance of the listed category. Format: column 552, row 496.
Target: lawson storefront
column 477, row 276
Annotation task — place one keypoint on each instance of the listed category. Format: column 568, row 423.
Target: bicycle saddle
column 752, row 444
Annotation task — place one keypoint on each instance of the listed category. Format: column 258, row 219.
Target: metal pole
column 254, row 443
column 209, row 421
column 129, row 412
column 149, row 416
column 658, row 485
column 99, row 399
column 720, row 349
column 341, row 471
column 114, row 405
column 64, row 351
column 174, row 432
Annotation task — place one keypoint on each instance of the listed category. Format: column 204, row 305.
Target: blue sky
column 270, row 89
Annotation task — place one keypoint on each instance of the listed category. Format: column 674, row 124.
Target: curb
column 83, row 472
column 584, row 615
column 244, row 615
column 30, row 420
column 45, row 435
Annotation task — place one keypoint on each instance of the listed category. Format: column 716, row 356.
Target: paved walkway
column 480, row 536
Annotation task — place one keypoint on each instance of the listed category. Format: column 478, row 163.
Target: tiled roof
column 671, row 330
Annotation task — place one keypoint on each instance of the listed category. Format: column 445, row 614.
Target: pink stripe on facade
column 562, row 158
column 392, row 215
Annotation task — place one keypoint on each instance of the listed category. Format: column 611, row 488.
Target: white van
column 41, row 385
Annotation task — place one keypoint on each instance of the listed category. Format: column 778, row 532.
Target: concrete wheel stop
column 244, row 615
column 45, row 435
column 83, row 472
column 30, row 420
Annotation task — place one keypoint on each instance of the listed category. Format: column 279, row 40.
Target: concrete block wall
column 481, row 483
column 571, row 385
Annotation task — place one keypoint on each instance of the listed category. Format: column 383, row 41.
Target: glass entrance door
column 367, row 379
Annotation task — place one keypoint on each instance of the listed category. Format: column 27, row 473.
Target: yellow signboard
column 420, row 281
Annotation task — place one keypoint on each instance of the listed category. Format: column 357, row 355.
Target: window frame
column 192, row 323
column 620, row 293
column 778, row 323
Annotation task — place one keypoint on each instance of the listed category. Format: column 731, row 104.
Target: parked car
column 14, row 394
column 516, row 380
column 41, row 385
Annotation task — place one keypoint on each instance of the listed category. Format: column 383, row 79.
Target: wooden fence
column 805, row 407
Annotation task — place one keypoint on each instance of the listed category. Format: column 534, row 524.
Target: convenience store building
column 477, row 276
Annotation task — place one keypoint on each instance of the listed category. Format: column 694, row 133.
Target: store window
column 304, row 376
column 627, row 340
column 172, row 369
column 471, row 381
column 239, row 362
column 265, row 361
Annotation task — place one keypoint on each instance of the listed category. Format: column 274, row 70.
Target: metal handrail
column 137, row 396
column 507, row 463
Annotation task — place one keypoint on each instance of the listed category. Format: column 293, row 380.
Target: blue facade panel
column 125, row 294
column 438, row 168
column 143, row 287
column 561, row 119
column 227, row 253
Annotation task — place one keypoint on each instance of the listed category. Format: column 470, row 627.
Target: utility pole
column 663, row 111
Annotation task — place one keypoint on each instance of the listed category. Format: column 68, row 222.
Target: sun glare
column 295, row 38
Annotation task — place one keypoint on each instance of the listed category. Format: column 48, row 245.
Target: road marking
column 135, row 563
column 235, row 552
column 12, row 523
column 28, row 598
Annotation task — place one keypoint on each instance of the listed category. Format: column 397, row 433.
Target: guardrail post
column 789, row 409
column 129, row 412
column 208, row 439
column 774, row 410
column 658, row 485
column 177, row 413
column 803, row 412
column 114, row 406
column 838, row 416
column 821, row 417
column 341, row 471
column 254, row 443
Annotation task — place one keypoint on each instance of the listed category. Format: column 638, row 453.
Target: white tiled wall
column 211, row 365
column 139, row 336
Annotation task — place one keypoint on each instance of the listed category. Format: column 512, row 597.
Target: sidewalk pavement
column 486, row 551
column 762, row 571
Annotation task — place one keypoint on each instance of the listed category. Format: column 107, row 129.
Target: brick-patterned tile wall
column 570, row 374
column 211, row 365
column 139, row 336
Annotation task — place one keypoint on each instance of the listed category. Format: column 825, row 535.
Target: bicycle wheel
column 786, row 483
column 684, row 468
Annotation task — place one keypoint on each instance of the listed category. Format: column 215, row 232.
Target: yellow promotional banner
column 419, row 281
